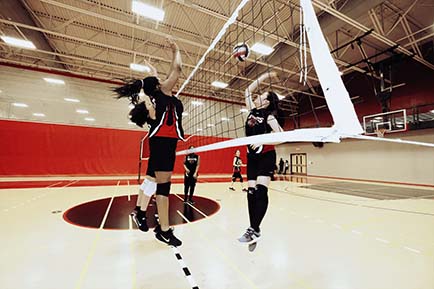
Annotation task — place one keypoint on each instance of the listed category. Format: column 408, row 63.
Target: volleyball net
column 276, row 36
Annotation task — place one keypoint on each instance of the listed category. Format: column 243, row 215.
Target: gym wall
column 370, row 160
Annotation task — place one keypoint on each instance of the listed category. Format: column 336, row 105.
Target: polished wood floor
column 313, row 238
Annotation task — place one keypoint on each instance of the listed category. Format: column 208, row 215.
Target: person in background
column 191, row 167
column 286, row 166
column 281, row 164
column 237, row 163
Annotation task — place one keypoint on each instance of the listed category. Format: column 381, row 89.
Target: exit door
column 299, row 164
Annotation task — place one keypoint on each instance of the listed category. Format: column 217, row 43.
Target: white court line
column 382, row 240
column 411, row 249
column 356, row 232
column 200, row 212
column 95, row 241
column 129, row 191
column 39, row 196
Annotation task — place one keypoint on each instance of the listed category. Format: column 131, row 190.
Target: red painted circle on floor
column 91, row 214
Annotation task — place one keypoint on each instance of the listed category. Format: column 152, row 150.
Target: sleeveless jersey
column 237, row 166
column 256, row 124
column 168, row 120
column 191, row 162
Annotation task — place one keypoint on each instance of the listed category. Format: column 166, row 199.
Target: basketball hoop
column 380, row 132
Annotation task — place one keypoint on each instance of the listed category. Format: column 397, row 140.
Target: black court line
column 184, row 268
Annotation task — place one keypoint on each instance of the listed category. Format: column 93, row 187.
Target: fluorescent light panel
column 196, row 103
column 54, row 80
column 19, row 104
column 184, row 113
column 210, row 125
column 139, row 67
column 38, row 114
column 244, row 110
column 147, row 11
column 18, row 42
column 89, row 119
column 224, row 119
column 71, row 99
column 262, row 48
column 82, row 111
column 219, row 84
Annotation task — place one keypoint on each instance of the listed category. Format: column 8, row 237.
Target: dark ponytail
column 274, row 108
column 139, row 114
column 130, row 90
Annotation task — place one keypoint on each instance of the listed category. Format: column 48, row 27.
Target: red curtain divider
column 42, row 149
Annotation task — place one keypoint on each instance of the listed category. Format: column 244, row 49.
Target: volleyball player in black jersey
column 191, row 167
column 261, row 159
column 236, row 165
column 165, row 130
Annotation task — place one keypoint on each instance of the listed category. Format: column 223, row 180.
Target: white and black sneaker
column 250, row 236
column 140, row 222
column 167, row 237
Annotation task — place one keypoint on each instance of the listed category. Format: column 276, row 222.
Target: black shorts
column 237, row 175
column 162, row 154
column 260, row 165
column 150, row 170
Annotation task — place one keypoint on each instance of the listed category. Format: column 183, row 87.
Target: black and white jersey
column 257, row 124
column 191, row 162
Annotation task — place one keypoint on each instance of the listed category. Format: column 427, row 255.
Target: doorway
column 298, row 164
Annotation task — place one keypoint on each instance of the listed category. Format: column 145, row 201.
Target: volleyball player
column 236, row 165
column 191, row 167
column 261, row 159
column 164, row 133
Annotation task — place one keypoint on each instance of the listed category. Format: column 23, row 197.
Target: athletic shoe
column 141, row 222
column 133, row 213
column 168, row 238
column 157, row 229
column 250, row 236
column 245, row 190
column 231, row 188
column 191, row 202
column 252, row 247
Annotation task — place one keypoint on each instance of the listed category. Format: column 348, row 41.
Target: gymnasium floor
column 316, row 235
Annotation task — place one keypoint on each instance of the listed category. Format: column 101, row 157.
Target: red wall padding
column 28, row 148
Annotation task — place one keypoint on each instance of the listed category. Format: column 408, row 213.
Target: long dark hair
column 274, row 108
column 139, row 114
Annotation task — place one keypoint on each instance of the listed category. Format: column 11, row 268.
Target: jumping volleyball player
column 261, row 159
column 164, row 133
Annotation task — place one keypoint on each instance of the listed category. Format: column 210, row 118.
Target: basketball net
column 380, row 132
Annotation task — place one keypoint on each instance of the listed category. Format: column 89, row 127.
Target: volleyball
column 241, row 51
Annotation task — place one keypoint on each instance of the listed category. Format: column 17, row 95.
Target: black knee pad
column 261, row 193
column 163, row 189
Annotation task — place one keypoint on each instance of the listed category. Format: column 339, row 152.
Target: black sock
column 251, row 205
column 261, row 196
column 141, row 213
